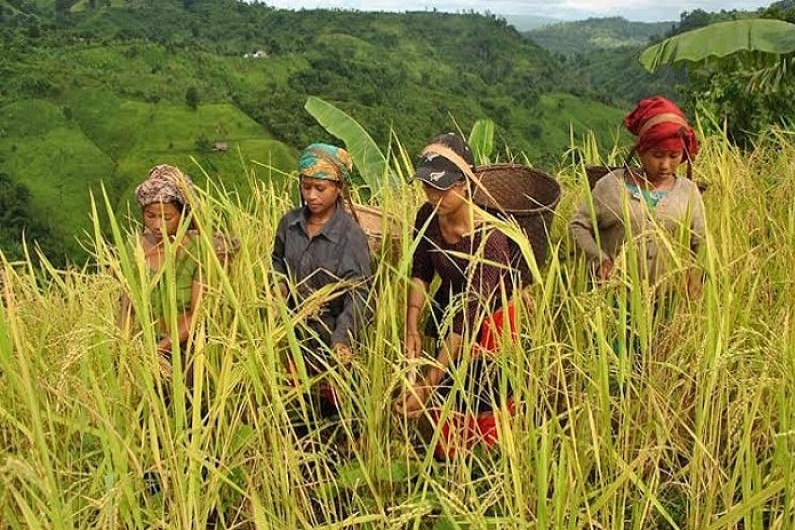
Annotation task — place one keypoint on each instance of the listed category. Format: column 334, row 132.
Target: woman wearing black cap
column 472, row 261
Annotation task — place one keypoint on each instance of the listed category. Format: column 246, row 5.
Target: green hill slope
column 97, row 93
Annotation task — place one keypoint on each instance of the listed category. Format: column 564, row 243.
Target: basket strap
column 346, row 193
column 452, row 156
column 460, row 163
column 627, row 166
column 667, row 117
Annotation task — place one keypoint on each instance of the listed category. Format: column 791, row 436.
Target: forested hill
column 604, row 52
column 97, row 91
column 571, row 38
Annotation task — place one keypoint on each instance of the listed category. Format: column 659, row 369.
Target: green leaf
column 481, row 140
column 722, row 40
column 366, row 155
column 353, row 474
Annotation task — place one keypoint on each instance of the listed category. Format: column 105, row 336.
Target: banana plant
column 367, row 157
column 481, row 140
column 764, row 47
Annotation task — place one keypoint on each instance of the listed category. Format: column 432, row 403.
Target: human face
column 320, row 195
column 660, row 164
column 162, row 219
column 446, row 201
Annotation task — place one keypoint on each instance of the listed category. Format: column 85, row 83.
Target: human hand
column 412, row 345
column 164, row 358
column 693, row 284
column 605, row 269
column 344, row 354
column 164, row 345
column 412, row 403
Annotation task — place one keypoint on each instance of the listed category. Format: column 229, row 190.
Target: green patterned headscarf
column 327, row 162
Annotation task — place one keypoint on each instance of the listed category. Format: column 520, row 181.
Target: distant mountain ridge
column 569, row 38
column 524, row 23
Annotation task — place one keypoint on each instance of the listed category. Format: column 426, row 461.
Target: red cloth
column 660, row 124
column 463, row 431
column 491, row 330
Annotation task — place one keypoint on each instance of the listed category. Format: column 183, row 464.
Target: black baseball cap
column 437, row 171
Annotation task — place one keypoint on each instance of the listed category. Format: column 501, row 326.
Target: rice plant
column 689, row 425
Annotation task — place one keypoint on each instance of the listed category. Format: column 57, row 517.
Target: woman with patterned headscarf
column 164, row 198
column 319, row 245
column 637, row 207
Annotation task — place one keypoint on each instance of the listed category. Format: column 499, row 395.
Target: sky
column 642, row 10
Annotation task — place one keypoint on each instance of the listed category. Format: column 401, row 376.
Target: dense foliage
column 96, row 92
column 17, row 224
column 726, row 93
column 725, row 90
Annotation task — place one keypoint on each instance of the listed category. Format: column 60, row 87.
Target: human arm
column 184, row 320
column 698, row 224
column 591, row 217
column 279, row 260
column 416, row 300
column 422, row 273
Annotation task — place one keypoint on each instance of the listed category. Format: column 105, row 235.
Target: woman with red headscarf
column 639, row 206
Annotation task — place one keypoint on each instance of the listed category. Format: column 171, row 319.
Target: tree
column 741, row 72
column 62, row 7
column 192, row 97
column 17, row 221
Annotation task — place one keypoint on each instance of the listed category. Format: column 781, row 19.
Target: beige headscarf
column 166, row 184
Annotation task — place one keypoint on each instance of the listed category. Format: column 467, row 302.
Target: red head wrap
column 659, row 124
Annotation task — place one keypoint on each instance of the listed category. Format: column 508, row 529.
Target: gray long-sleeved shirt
column 679, row 212
column 337, row 253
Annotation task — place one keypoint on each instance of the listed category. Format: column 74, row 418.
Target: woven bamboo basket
column 529, row 196
column 382, row 229
column 594, row 173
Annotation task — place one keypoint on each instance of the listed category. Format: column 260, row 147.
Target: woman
column 165, row 206
column 631, row 206
column 472, row 261
column 318, row 245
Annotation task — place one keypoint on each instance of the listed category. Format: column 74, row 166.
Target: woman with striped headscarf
column 317, row 246
column 637, row 207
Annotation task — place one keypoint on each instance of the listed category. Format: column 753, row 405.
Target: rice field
column 691, row 425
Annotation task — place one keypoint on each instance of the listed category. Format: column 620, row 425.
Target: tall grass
column 693, row 428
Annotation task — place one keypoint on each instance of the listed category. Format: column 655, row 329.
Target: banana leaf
column 481, row 140
column 722, row 40
column 367, row 157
